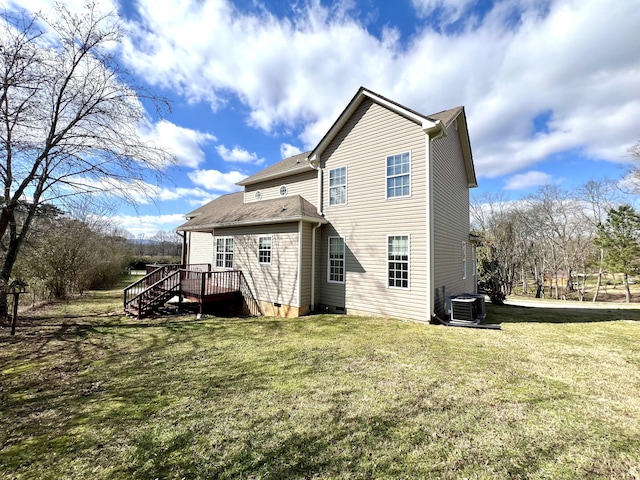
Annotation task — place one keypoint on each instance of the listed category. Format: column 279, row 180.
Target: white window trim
column 270, row 237
column 464, row 260
column 283, row 190
column 346, row 188
column 344, row 260
column 225, row 253
column 474, row 260
column 408, row 287
column 386, row 177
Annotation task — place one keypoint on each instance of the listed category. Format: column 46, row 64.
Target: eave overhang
column 301, row 167
column 248, row 223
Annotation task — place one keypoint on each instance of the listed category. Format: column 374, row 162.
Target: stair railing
column 156, row 293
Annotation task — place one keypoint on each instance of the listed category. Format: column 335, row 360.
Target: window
column 283, row 190
column 258, row 195
column 398, row 261
column 338, row 186
column 264, row 250
column 336, row 260
column 398, row 175
column 224, row 252
column 464, row 260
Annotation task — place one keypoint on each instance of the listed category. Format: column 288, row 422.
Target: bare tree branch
column 70, row 118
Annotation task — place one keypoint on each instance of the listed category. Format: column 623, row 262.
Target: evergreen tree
column 619, row 236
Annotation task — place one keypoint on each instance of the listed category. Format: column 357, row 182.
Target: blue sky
column 551, row 88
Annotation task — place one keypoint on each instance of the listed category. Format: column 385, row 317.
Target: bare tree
column 557, row 214
column 70, row 119
column 496, row 221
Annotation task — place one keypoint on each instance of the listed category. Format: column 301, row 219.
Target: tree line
column 557, row 243
column 67, row 254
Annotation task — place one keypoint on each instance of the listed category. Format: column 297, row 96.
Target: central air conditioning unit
column 464, row 309
column 481, row 309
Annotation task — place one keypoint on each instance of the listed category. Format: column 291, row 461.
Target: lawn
column 86, row 393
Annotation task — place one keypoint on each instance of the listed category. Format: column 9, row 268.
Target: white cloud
column 448, row 11
column 147, row 225
column 185, row 144
column 287, row 150
column 142, row 192
column 238, row 155
column 46, row 6
column 575, row 58
column 216, row 180
column 531, row 179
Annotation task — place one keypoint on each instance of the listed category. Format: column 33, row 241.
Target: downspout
column 314, row 161
column 432, row 131
column 183, row 256
column 313, row 265
column 300, row 228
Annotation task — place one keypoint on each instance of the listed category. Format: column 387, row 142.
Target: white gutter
column 246, row 223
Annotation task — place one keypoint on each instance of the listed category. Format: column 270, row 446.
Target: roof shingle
column 230, row 210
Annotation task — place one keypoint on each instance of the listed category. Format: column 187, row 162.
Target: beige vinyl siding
column 304, row 184
column 373, row 133
column 201, row 248
column 277, row 282
column 451, row 216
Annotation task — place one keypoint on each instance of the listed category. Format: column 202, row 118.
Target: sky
column 551, row 88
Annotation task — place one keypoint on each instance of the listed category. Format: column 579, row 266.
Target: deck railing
column 195, row 281
column 253, row 307
column 157, row 273
column 198, row 284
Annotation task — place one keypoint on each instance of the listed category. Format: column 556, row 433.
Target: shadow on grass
column 520, row 314
column 262, row 398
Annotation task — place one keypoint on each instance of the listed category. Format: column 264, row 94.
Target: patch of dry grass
column 89, row 394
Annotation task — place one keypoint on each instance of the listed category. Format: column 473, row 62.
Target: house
column 374, row 220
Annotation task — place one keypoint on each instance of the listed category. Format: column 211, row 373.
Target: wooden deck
column 192, row 290
column 209, row 288
column 189, row 282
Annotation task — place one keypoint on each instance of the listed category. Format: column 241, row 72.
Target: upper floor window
column 257, row 195
column 264, row 249
column 338, row 186
column 283, row 190
column 399, row 175
column 398, row 261
column 336, row 260
column 224, row 252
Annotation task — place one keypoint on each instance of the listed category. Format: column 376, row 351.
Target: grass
column 86, row 393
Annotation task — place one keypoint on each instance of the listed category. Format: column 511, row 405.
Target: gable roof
column 361, row 95
column 434, row 124
column 231, row 211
